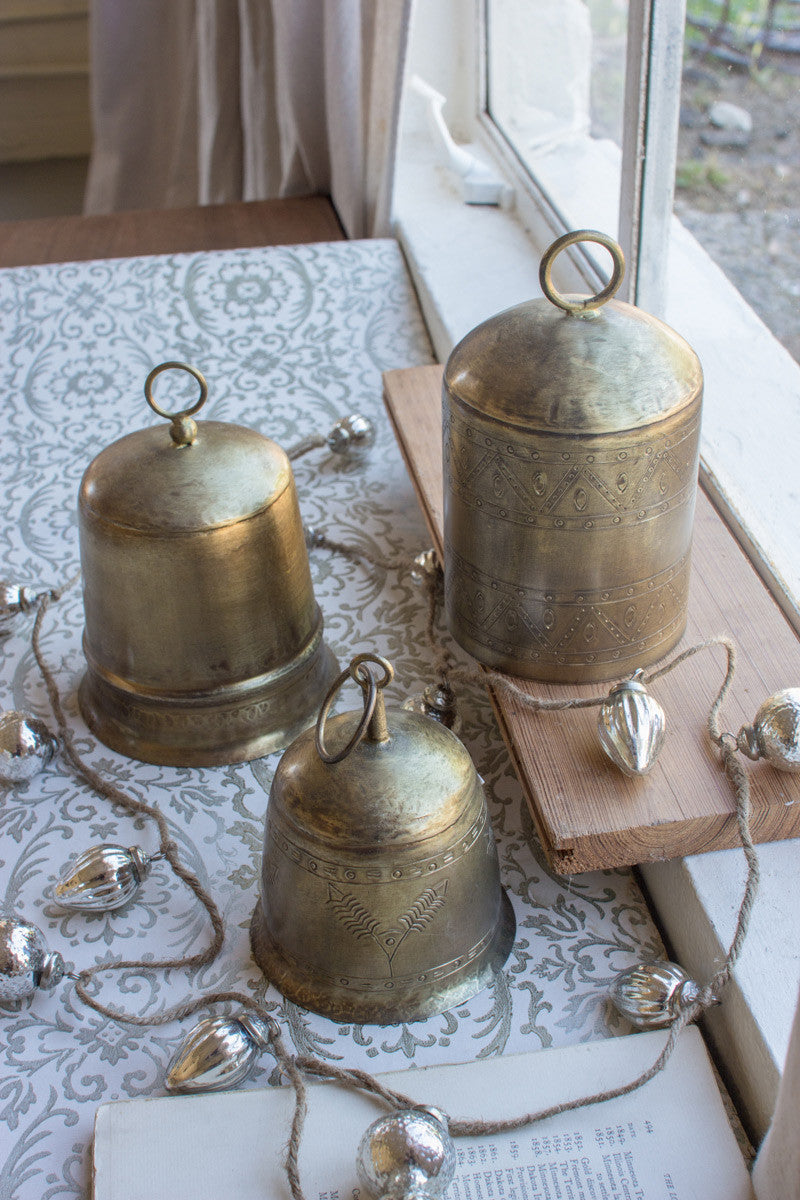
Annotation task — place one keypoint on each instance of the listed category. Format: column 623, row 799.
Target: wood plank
column 169, row 231
column 587, row 813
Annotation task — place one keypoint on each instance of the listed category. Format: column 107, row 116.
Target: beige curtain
column 210, row 101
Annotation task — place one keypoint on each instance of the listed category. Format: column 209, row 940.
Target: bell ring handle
column 588, row 303
column 183, row 429
column 373, row 717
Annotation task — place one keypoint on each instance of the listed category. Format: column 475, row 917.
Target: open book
column 670, row 1140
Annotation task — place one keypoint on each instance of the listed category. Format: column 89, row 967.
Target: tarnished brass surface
column 203, row 640
column 571, row 444
column 381, row 898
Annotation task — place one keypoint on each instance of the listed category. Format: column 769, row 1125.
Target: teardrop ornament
column 775, row 732
column 101, row 878
column 650, row 995
column 220, row 1052
column 631, row 726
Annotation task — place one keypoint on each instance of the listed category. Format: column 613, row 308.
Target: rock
column 731, row 117
column 726, row 139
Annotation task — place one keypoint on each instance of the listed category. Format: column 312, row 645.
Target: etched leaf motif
column 355, row 918
column 422, row 910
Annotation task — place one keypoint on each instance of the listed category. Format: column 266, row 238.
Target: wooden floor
column 169, row 231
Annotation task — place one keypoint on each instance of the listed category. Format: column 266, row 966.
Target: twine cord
column 168, row 850
column 448, row 673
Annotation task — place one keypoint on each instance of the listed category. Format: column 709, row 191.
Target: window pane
column 555, row 85
column 738, row 174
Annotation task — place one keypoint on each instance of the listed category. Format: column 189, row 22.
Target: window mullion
column 649, row 148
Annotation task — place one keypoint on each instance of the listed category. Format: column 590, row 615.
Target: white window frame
column 469, row 262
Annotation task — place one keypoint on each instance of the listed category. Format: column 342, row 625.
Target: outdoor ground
column 743, row 202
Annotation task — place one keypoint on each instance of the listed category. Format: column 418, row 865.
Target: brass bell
column 571, row 445
column 203, row 640
column 380, row 888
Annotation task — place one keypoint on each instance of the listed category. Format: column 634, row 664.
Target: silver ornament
column 652, row 994
column 25, row 961
column 409, row 1153
column 775, row 732
column 15, row 600
column 631, row 726
column 437, row 702
column 353, row 436
column 218, row 1053
column 426, row 566
column 26, row 746
column 312, row 536
column 101, row 878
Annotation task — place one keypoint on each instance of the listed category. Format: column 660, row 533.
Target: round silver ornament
column 437, row 702
column 631, row 726
column 409, row 1153
column 775, row 732
column 26, row 746
column 101, row 878
column 25, row 961
column 353, row 436
column 652, row 994
column 220, row 1052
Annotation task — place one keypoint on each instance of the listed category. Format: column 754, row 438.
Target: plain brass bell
column 571, row 446
column 203, row 640
column 381, row 898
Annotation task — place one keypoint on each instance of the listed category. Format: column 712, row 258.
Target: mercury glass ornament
column 631, row 726
column 652, row 994
column 775, row 732
column 220, row 1052
column 352, row 436
column 25, row 961
column 15, row 600
column 101, row 878
column 409, row 1153
column 437, row 702
column 26, row 746
column 425, row 566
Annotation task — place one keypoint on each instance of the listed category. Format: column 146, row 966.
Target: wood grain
column 587, row 813
column 169, row 231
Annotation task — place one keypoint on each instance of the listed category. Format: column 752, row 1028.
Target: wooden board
column 169, row 231
column 587, row 813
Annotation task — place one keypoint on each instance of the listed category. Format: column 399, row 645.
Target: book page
column 668, row 1141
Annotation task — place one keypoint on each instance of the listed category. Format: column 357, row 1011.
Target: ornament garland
column 220, row 1051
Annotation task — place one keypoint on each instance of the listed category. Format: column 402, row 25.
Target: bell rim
column 346, row 1007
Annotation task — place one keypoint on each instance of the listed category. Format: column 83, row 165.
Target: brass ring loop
column 589, row 302
column 175, row 366
column 370, row 697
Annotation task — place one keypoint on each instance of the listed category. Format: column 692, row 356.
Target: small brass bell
column 380, row 889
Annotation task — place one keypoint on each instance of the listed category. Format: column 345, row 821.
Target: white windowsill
column 469, row 263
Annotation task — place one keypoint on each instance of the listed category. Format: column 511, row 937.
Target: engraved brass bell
column 203, row 639
column 571, row 444
column 380, row 889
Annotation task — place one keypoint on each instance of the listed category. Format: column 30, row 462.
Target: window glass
column 555, row 84
column 738, row 171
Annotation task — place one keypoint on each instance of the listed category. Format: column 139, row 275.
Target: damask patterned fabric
column 289, row 339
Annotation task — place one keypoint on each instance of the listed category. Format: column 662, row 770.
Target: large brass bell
column 203, row 640
column 381, row 898
column 571, row 444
